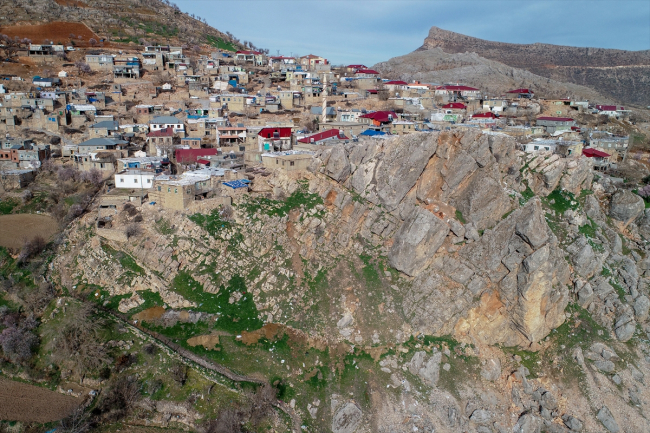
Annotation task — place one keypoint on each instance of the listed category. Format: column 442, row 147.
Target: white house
column 163, row 122
column 134, row 179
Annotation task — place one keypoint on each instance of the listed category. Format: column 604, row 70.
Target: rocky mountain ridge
column 618, row 74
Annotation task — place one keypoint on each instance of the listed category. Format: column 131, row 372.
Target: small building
column 100, row 62
column 107, row 128
column 160, row 142
column 139, row 179
column 553, row 124
column 164, row 122
column 292, row 160
column 455, row 92
column 600, row 159
column 274, row 139
column 520, row 93
column 101, row 143
column 402, row 127
column 454, row 108
column 191, row 142
column 321, row 137
column 15, row 179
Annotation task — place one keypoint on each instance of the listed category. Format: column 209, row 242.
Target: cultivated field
column 58, row 31
column 15, row 228
column 29, row 403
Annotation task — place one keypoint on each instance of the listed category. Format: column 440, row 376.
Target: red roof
column 282, row 57
column 455, row 105
column 284, row 132
column 248, row 52
column 398, row 83
column 488, row 115
column 372, row 91
column 590, row 153
column 357, row 67
column 380, row 116
column 165, row 132
column 609, row 108
column 188, row 156
column 520, row 91
column 330, row 133
column 367, row 71
column 203, row 161
column 556, row 119
column 457, row 88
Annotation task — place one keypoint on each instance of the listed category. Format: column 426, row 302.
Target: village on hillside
column 173, row 125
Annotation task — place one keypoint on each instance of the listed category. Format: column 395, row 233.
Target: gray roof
column 109, row 124
column 165, row 119
column 102, row 141
column 319, row 110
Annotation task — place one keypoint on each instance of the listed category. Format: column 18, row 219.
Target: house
column 310, row 61
column 100, row 62
column 92, row 160
column 280, row 61
column 349, row 116
column 564, row 148
column 46, row 82
column 231, row 135
column 488, row 118
column 610, row 143
column 396, row 86
column 612, row 110
column 366, row 73
column 190, row 156
column 46, row 50
column 178, row 192
column 520, row 93
column 455, row 92
column 378, row 118
column 160, row 142
column 351, row 129
column 143, row 163
column 15, row 179
column 495, row 105
column 107, row 128
column 317, row 112
column 101, row 143
column 164, row 122
column 600, row 159
column 191, row 142
column 454, row 108
column 128, row 68
column 274, row 139
column 354, row 68
column 134, row 179
column 319, row 138
column 292, row 160
column 402, row 127
column 248, row 56
column 553, row 124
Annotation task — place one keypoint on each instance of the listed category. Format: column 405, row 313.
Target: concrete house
column 101, row 143
column 292, row 160
column 455, row 92
column 160, row 142
column 520, row 93
column 249, row 56
column 553, row 124
column 107, row 128
column 100, row 62
column 274, row 139
column 164, row 122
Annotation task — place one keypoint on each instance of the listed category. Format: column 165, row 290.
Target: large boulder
column 625, row 206
column 416, row 242
column 338, row 165
column 346, row 419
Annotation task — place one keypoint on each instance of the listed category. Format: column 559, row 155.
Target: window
column 121, row 179
column 189, row 191
column 277, row 161
column 148, row 180
column 169, row 190
column 291, row 163
column 135, row 180
column 175, row 190
column 159, row 188
column 536, row 148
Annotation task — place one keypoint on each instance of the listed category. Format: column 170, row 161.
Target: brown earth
column 29, row 403
column 16, row 228
column 57, row 31
column 209, row 341
column 73, row 3
column 150, row 314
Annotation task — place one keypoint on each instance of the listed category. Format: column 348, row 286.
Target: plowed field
column 29, row 403
column 57, row 31
column 16, row 228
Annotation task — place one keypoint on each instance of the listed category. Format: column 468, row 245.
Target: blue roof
column 241, row 183
column 372, row 132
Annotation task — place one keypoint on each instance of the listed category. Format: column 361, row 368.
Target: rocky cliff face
column 490, row 290
column 619, row 74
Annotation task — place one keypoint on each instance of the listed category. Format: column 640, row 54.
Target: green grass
column 620, row 291
column 459, row 217
column 7, row 205
column 589, row 230
column 126, row 261
column 220, row 43
column 212, row 223
column 526, row 195
column 561, row 201
column 164, row 227
column 233, row 317
column 300, row 197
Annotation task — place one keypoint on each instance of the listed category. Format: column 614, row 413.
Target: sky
column 371, row 31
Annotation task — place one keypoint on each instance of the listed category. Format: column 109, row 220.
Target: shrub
column 17, row 339
column 645, row 192
column 31, row 248
column 93, row 176
column 68, row 173
column 133, row 230
column 178, row 372
column 26, row 196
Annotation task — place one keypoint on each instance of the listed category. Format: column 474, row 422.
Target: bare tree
column 82, row 67
column 77, row 422
column 178, row 371
column 133, row 230
column 92, row 42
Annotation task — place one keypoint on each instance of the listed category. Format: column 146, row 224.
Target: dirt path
column 186, row 356
column 28, row 403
